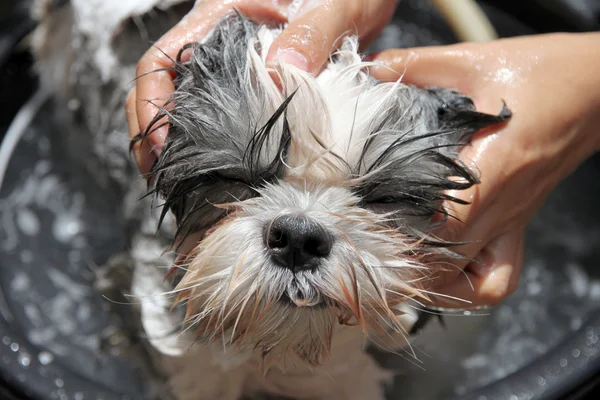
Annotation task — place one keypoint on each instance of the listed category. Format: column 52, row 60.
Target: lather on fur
column 363, row 164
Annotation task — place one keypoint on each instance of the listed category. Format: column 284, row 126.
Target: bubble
column 28, row 222
column 563, row 362
column 73, row 104
column 6, row 340
column 45, row 357
column 59, row 382
column 14, row 347
column 65, row 228
column 541, row 381
column 24, row 359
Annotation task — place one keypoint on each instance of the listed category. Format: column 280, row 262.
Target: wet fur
column 370, row 161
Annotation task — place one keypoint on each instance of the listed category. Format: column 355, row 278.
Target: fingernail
column 292, row 57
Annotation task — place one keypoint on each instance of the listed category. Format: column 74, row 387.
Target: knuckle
column 497, row 292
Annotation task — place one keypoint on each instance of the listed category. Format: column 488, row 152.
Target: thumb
column 445, row 66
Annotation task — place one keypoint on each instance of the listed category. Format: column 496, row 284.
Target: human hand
column 551, row 85
column 314, row 29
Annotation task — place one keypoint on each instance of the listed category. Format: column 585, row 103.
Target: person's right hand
column 552, row 85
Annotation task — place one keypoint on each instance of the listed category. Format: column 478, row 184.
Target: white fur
column 198, row 371
column 219, row 370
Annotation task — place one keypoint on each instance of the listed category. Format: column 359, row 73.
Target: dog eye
column 383, row 200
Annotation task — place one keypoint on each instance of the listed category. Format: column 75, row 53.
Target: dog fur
column 369, row 162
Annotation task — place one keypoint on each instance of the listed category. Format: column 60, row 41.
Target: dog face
column 311, row 200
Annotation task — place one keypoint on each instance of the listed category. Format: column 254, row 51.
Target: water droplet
column 563, row 362
column 28, row 222
column 78, row 396
column 65, row 228
column 576, row 353
column 45, row 357
column 14, row 347
column 6, row 340
column 24, row 359
column 26, row 256
column 589, row 333
column 59, row 382
column 73, row 104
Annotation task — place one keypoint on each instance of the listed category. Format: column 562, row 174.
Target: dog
column 300, row 215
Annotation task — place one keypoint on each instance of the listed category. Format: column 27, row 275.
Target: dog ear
column 415, row 161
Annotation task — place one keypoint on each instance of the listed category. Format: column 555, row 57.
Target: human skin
column 550, row 83
column 547, row 81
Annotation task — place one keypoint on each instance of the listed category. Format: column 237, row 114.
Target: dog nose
column 297, row 242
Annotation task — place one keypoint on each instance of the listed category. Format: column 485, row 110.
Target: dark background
column 18, row 82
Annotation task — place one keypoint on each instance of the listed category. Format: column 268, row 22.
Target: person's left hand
column 551, row 85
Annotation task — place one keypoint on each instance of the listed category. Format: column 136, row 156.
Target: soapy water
column 57, row 226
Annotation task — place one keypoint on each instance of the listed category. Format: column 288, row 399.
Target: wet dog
column 301, row 215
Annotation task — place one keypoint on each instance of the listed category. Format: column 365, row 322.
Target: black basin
column 59, row 221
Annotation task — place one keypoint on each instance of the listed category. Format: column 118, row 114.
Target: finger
column 154, row 77
column 140, row 149
column 317, row 28
column 470, row 222
column 488, row 279
column 428, row 66
column 464, row 67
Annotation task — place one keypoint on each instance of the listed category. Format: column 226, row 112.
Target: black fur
column 199, row 167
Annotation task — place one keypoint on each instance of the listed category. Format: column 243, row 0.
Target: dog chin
column 300, row 257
